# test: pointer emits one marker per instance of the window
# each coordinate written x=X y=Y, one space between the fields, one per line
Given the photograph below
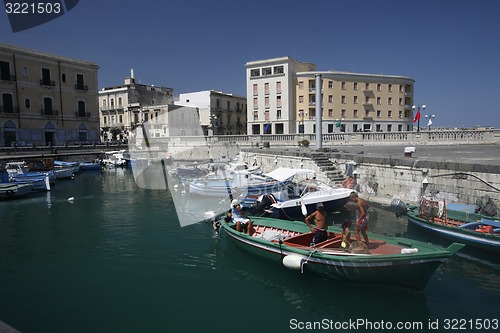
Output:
x=400 y=128
x=255 y=103
x=378 y=128
x=255 y=91
x=330 y=98
x=278 y=70
x=8 y=104
x=355 y=100
x=389 y=87
x=278 y=129
x=266 y=71
x=330 y=84
x=27 y=103
x=278 y=101
x=278 y=114
x=343 y=113
x=379 y=101
x=79 y=82
x=389 y=128
x=256 y=115
x=367 y=113
x=46 y=77
x=229 y=105
x=255 y=129
x=301 y=84
x=330 y=112
x=266 y=102
x=266 y=88
x=400 y=101
x=4 y=71
x=120 y=102
x=254 y=72
x=367 y=86
x=355 y=86
x=81 y=109
x=47 y=106
x=104 y=104
x=301 y=99
x=120 y=118
x=379 y=87
x=25 y=72
x=400 y=114
x=342 y=100
x=401 y=88
x=389 y=100
x=342 y=85
x=389 y=113
x=278 y=87
x=379 y=114
x=355 y=114
x=330 y=128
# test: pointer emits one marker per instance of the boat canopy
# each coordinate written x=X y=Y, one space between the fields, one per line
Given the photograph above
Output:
x=282 y=174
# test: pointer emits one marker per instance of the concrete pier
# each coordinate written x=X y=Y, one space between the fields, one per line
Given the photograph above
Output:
x=458 y=173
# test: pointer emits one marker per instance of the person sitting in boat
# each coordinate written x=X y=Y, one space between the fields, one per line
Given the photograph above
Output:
x=361 y=209
x=346 y=233
x=319 y=231
x=242 y=222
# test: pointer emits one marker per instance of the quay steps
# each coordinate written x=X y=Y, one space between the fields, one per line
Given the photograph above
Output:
x=328 y=168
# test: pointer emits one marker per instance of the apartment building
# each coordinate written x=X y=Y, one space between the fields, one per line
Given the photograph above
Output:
x=126 y=106
x=46 y=98
x=351 y=102
x=220 y=113
x=271 y=95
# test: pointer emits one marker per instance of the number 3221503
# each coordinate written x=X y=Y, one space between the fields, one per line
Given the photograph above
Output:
x=32 y=8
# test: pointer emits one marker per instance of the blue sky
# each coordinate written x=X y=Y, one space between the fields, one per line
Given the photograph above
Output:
x=450 y=47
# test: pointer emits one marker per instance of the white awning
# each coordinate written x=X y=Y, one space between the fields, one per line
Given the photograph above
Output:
x=282 y=174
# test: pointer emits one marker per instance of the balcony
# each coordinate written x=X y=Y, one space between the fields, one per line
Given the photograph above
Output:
x=82 y=114
x=53 y=113
x=81 y=87
x=47 y=83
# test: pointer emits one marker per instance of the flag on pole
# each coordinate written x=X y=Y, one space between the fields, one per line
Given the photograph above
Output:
x=337 y=124
x=417 y=116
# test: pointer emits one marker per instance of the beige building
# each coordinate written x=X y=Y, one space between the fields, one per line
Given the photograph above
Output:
x=220 y=113
x=271 y=95
x=127 y=106
x=46 y=98
x=351 y=102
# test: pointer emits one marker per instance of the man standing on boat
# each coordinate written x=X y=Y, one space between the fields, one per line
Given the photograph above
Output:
x=361 y=217
x=319 y=216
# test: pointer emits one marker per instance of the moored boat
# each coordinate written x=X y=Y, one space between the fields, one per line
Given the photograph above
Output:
x=14 y=190
x=474 y=230
x=389 y=260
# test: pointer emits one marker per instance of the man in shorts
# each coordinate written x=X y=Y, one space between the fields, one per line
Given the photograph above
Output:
x=319 y=216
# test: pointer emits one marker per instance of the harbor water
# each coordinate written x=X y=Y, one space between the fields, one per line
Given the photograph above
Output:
x=116 y=260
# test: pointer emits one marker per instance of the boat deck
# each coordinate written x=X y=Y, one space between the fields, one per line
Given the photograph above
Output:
x=330 y=246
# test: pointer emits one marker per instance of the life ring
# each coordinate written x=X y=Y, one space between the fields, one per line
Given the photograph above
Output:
x=9 y=193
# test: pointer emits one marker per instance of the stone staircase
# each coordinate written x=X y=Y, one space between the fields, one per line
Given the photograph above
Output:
x=326 y=166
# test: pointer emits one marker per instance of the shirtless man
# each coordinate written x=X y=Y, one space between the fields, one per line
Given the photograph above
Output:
x=361 y=217
x=319 y=216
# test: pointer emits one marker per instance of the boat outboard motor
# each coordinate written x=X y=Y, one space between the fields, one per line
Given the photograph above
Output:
x=398 y=207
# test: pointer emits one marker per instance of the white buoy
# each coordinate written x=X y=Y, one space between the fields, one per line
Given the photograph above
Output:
x=294 y=261
x=72 y=199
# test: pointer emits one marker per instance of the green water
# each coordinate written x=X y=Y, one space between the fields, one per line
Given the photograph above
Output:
x=116 y=260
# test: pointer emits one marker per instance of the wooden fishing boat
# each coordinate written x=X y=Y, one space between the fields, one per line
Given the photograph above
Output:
x=388 y=260
x=474 y=230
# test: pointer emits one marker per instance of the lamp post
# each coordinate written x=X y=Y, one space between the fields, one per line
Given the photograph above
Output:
x=430 y=117
x=301 y=122
x=417 y=116
x=213 y=118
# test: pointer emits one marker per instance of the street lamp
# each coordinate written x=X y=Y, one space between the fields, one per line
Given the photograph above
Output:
x=213 y=118
x=430 y=120
x=301 y=123
x=417 y=116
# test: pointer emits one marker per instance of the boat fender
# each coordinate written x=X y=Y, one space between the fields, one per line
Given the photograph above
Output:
x=410 y=250
x=9 y=193
x=294 y=261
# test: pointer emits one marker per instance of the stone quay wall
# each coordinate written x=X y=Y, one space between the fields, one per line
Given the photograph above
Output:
x=382 y=179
